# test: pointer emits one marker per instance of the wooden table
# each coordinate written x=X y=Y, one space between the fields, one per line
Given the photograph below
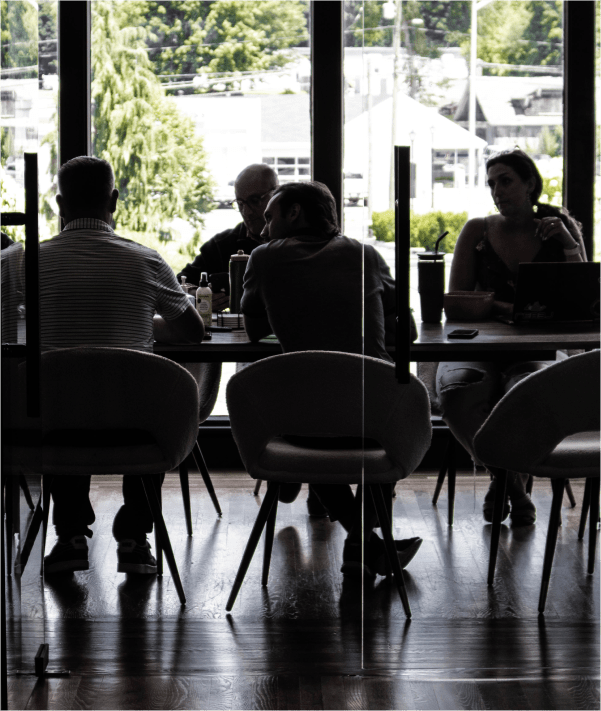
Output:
x=494 y=341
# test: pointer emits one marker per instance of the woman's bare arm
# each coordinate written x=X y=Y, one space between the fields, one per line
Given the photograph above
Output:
x=463 y=271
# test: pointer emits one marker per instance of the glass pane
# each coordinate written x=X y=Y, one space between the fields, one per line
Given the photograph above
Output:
x=409 y=76
x=29 y=126
x=208 y=110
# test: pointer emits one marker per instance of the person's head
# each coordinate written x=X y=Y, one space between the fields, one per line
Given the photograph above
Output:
x=86 y=188
x=296 y=206
x=253 y=187
x=514 y=181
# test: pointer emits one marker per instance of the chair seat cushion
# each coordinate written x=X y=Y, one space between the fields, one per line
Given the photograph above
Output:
x=574 y=457
x=333 y=460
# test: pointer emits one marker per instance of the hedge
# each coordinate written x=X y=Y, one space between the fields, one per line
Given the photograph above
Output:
x=425 y=228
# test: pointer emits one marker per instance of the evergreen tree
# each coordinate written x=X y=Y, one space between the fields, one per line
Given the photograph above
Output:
x=159 y=162
x=19 y=35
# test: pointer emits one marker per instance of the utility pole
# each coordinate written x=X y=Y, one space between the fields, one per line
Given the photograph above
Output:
x=471 y=173
x=396 y=41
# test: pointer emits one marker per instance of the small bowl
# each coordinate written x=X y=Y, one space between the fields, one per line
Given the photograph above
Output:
x=468 y=305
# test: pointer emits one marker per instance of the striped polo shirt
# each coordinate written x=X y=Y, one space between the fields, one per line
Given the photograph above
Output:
x=99 y=289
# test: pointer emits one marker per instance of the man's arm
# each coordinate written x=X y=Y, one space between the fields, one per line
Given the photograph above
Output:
x=185 y=328
x=257 y=327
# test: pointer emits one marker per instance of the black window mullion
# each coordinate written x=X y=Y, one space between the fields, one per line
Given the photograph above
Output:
x=74 y=71
x=579 y=115
x=327 y=94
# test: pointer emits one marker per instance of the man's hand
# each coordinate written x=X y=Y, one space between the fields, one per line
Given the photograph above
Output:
x=220 y=301
x=257 y=327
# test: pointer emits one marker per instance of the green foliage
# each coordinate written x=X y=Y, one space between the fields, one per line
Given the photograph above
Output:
x=12 y=200
x=7 y=144
x=550 y=141
x=200 y=38
x=424 y=229
x=518 y=32
x=48 y=34
x=19 y=35
x=552 y=190
x=160 y=164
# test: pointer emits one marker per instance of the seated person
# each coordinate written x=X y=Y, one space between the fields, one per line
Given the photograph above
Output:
x=115 y=286
x=253 y=187
x=6 y=241
x=486 y=258
x=317 y=290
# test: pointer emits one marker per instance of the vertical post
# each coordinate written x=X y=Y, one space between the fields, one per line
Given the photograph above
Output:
x=579 y=115
x=32 y=286
x=472 y=101
x=327 y=93
x=396 y=41
x=402 y=171
x=74 y=73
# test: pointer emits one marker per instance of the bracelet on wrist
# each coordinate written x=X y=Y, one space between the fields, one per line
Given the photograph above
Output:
x=572 y=250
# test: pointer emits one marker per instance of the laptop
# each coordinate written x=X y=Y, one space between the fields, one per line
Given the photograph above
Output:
x=556 y=292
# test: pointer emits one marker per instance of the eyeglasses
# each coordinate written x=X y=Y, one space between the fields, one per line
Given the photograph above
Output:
x=253 y=202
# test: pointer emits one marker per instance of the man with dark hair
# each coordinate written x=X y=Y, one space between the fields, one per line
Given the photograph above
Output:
x=318 y=290
x=253 y=187
x=99 y=289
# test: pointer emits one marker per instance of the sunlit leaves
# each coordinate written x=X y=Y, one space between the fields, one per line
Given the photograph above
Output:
x=159 y=162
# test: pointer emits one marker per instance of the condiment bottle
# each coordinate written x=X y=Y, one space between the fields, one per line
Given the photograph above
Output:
x=204 y=301
x=238 y=264
x=430 y=283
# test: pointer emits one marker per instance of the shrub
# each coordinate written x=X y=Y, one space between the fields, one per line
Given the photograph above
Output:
x=425 y=228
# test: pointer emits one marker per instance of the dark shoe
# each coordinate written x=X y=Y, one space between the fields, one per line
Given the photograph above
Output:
x=523 y=511
x=288 y=493
x=406 y=550
x=67 y=556
x=135 y=558
x=489 y=503
x=315 y=508
x=375 y=560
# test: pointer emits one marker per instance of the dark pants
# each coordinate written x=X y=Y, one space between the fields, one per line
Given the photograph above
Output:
x=73 y=512
x=358 y=520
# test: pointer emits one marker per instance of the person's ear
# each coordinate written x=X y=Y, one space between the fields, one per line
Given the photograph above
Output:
x=294 y=212
x=113 y=201
x=59 y=202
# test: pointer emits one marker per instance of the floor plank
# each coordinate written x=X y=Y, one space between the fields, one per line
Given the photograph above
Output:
x=300 y=642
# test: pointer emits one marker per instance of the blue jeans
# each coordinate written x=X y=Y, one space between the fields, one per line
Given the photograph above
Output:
x=467 y=392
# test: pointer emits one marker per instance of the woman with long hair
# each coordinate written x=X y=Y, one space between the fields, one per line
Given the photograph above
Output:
x=486 y=258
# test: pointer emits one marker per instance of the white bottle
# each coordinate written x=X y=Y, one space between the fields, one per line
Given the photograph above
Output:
x=204 y=301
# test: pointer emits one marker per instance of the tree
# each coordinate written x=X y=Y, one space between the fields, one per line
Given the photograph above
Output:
x=224 y=36
x=159 y=163
x=19 y=35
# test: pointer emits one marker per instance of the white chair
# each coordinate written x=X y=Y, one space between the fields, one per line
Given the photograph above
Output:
x=339 y=398
x=547 y=426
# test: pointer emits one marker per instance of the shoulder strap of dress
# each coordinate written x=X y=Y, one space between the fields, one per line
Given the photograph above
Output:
x=485 y=230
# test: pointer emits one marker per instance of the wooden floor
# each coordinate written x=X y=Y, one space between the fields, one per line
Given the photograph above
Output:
x=309 y=640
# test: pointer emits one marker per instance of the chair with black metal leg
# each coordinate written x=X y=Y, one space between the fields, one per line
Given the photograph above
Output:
x=106 y=411
x=351 y=423
x=548 y=426
x=426 y=372
x=208 y=377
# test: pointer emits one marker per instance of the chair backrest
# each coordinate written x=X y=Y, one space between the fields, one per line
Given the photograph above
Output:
x=111 y=389
x=328 y=394
x=540 y=412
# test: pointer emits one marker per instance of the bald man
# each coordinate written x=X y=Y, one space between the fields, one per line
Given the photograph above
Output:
x=253 y=187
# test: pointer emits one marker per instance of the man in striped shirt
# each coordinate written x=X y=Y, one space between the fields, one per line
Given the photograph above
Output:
x=99 y=289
